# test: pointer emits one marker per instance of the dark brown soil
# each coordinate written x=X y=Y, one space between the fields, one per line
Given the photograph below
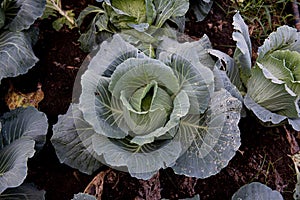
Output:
x=263 y=155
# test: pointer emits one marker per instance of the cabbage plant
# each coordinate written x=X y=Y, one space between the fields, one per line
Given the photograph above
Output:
x=141 y=114
x=16 y=17
x=271 y=86
x=273 y=91
x=140 y=18
x=22 y=132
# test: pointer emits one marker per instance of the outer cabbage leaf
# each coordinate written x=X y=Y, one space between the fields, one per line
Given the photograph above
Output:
x=16 y=54
x=201 y=8
x=24 y=122
x=273 y=96
x=21 y=14
x=22 y=130
x=256 y=191
x=243 y=51
x=24 y=192
x=111 y=54
x=148 y=40
x=231 y=67
x=194 y=52
x=72 y=140
x=215 y=137
x=83 y=196
x=285 y=38
x=13 y=167
x=98 y=29
x=223 y=81
x=166 y=9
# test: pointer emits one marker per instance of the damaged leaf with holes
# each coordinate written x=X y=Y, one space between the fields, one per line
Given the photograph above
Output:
x=141 y=114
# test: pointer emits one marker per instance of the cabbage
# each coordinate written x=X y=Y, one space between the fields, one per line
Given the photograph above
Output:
x=141 y=114
x=273 y=91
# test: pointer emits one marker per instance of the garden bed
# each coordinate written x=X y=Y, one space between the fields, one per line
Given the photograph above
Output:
x=263 y=155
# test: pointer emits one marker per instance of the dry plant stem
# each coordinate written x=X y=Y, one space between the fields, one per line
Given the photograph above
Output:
x=294 y=147
x=95 y=187
x=296 y=15
x=55 y=6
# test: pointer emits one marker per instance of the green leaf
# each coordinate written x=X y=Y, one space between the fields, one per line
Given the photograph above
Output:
x=143 y=122
x=262 y=113
x=21 y=14
x=102 y=110
x=87 y=11
x=72 y=141
x=134 y=8
x=24 y=192
x=209 y=141
x=197 y=81
x=272 y=95
x=231 y=68
x=181 y=107
x=148 y=40
x=194 y=52
x=24 y=122
x=284 y=65
x=256 y=191
x=201 y=8
x=136 y=72
x=284 y=38
x=222 y=81
x=295 y=123
x=111 y=54
x=17 y=56
x=166 y=9
x=13 y=162
x=243 y=52
x=140 y=161
x=96 y=29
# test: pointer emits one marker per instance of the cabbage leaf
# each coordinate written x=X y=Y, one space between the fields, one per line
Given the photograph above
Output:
x=23 y=131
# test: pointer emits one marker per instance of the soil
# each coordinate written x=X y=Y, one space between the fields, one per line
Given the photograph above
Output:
x=263 y=155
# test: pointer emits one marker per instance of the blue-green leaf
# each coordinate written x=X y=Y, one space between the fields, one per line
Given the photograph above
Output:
x=83 y=196
x=16 y=54
x=102 y=110
x=26 y=191
x=201 y=8
x=13 y=162
x=21 y=14
x=284 y=38
x=209 y=141
x=271 y=94
x=243 y=52
x=24 y=122
x=256 y=191
x=72 y=140
x=166 y=9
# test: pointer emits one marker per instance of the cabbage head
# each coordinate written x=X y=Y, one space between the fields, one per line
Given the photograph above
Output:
x=141 y=114
x=273 y=91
